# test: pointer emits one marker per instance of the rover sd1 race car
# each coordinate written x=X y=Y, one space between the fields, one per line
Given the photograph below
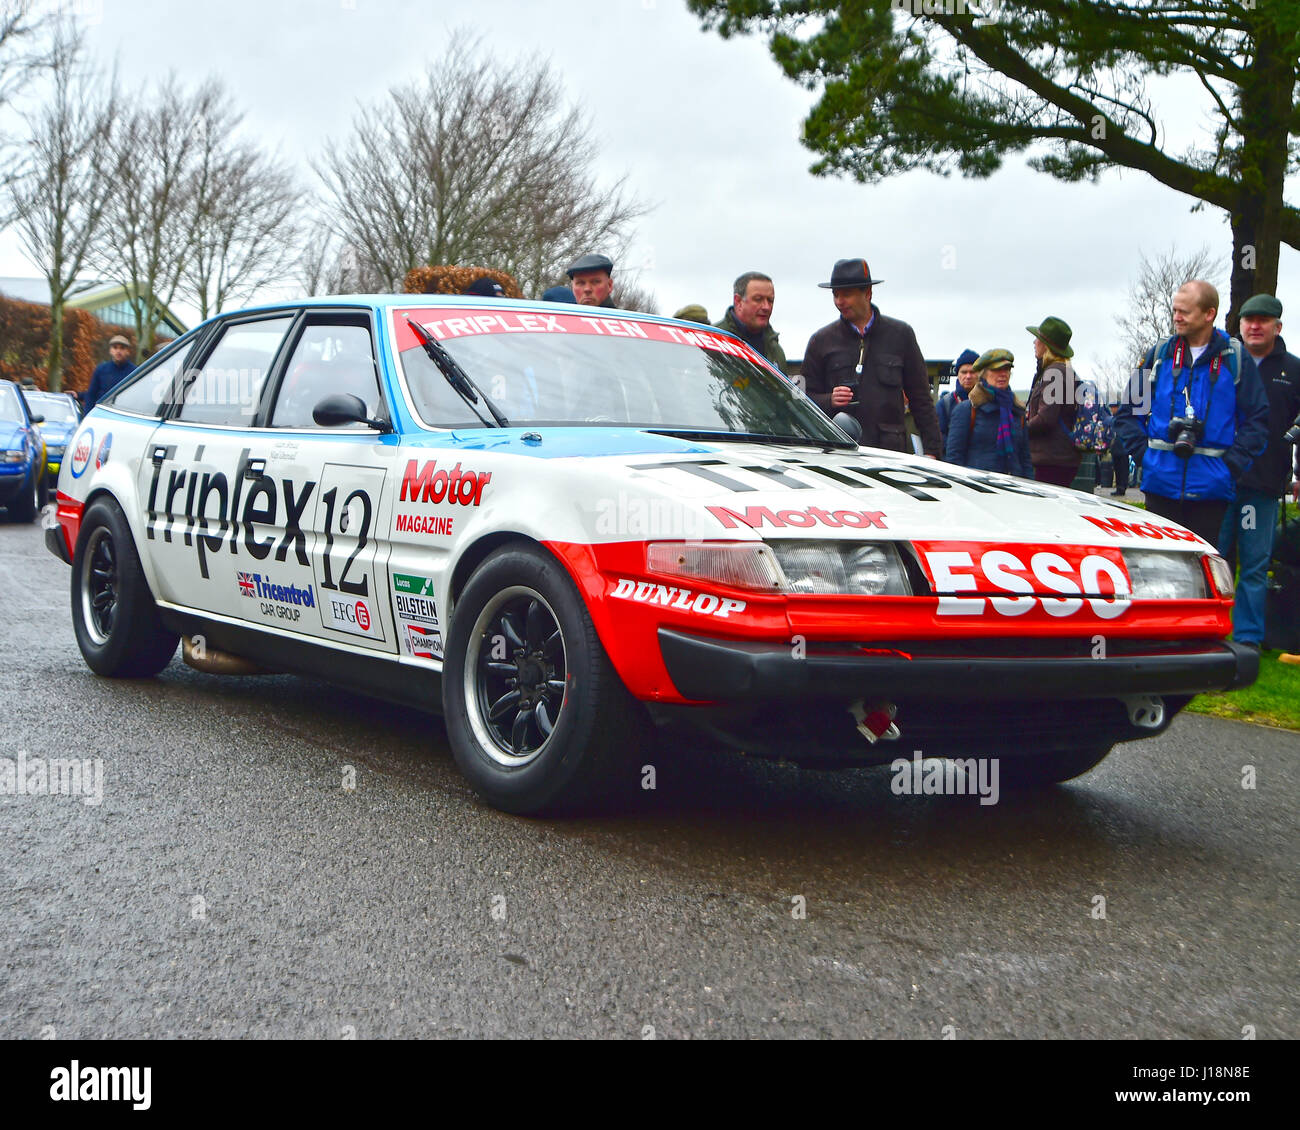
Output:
x=584 y=535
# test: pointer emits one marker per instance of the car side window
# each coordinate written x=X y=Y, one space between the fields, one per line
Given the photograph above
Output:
x=226 y=390
x=329 y=359
x=146 y=388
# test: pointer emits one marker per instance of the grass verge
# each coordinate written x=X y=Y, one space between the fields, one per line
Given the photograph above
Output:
x=1273 y=700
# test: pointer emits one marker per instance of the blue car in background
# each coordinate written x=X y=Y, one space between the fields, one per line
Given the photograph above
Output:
x=62 y=415
x=22 y=456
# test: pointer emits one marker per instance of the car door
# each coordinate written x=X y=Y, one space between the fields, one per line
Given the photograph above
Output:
x=201 y=480
x=344 y=479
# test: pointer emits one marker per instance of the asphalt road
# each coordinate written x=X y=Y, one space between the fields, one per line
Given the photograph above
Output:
x=229 y=885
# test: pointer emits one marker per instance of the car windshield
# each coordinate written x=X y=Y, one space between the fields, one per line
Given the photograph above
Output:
x=591 y=370
x=55 y=409
x=11 y=409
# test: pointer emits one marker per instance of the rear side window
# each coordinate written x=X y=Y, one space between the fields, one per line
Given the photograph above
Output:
x=227 y=388
x=146 y=388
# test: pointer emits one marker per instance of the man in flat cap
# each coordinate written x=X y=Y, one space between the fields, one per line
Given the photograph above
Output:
x=109 y=374
x=864 y=363
x=1247 y=531
x=592 y=279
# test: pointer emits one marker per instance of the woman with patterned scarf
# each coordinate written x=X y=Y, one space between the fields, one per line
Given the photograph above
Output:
x=988 y=433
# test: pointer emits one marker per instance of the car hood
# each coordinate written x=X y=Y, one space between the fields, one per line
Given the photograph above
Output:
x=57 y=433
x=756 y=490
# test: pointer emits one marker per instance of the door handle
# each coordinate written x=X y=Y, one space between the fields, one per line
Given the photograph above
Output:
x=159 y=456
x=255 y=469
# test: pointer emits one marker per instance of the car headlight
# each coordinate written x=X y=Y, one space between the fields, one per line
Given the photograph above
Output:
x=13 y=457
x=54 y=449
x=1165 y=576
x=742 y=565
x=803 y=567
x=845 y=568
x=1221 y=575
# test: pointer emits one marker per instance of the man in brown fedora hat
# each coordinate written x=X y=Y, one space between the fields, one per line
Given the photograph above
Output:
x=864 y=362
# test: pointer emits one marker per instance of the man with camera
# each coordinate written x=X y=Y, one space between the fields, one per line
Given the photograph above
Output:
x=1248 y=526
x=1197 y=407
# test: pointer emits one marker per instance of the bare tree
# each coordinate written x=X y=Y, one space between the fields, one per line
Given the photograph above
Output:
x=478 y=162
x=21 y=24
x=629 y=294
x=245 y=212
x=1147 y=315
x=60 y=192
x=151 y=224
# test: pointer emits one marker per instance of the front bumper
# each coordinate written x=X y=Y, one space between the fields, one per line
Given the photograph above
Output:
x=717 y=670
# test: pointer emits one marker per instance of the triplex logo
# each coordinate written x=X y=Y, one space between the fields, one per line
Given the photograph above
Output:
x=57 y=776
x=102 y=1084
x=922 y=776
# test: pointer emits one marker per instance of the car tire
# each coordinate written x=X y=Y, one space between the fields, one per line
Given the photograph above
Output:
x=1051 y=768
x=114 y=615
x=28 y=504
x=537 y=717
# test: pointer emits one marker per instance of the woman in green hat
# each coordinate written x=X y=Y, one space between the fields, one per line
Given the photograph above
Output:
x=1052 y=405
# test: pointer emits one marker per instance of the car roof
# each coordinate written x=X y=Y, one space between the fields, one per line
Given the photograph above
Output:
x=385 y=302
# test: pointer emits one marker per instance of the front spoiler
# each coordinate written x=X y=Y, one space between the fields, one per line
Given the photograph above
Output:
x=717 y=670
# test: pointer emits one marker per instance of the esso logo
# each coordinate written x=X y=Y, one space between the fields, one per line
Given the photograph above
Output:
x=363 y=616
x=81 y=453
x=1094 y=578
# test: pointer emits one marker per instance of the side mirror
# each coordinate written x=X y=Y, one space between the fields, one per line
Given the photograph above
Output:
x=851 y=426
x=341 y=408
x=38 y=419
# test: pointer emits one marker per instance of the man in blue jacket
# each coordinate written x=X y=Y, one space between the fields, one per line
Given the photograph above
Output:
x=109 y=374
x=1197 y=407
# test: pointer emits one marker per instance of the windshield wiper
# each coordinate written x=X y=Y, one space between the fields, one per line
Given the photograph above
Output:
x=747 y=437
x=456 y=376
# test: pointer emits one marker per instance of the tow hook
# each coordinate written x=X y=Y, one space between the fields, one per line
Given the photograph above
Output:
x=1145 y=711
x=876 y=720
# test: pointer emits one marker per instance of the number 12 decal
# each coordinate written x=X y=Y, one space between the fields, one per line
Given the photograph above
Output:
x=356 y=588
x=344 y=554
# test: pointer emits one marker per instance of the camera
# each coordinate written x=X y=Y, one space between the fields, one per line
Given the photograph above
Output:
x=1292 y=434
x=1185 y=433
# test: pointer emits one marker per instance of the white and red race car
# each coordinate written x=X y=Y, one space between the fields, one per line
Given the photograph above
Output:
x=572 y=529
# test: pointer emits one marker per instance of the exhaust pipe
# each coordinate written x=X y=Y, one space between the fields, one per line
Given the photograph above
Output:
x=196 y=653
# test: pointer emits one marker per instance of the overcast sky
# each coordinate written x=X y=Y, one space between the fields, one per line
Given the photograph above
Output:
x=707 y=130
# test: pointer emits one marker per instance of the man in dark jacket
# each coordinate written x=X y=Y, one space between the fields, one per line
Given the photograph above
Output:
x=1197 y=406
x=749 y=316
x=1248 y=526
x=109 y=374
x=863 y=363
